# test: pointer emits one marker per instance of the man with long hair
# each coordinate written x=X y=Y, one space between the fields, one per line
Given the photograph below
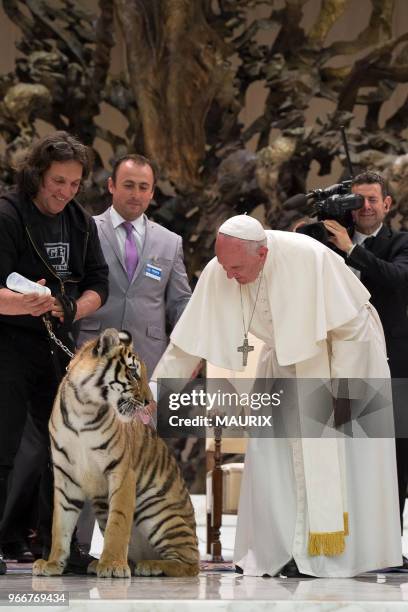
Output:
x=46 y=236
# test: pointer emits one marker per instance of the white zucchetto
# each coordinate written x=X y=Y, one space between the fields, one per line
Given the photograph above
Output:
x=243 y=227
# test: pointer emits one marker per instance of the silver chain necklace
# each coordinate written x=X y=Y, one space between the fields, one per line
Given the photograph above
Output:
x=245 y=347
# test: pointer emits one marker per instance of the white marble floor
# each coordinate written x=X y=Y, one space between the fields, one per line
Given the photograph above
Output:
x=215 y=591
x=224 y=591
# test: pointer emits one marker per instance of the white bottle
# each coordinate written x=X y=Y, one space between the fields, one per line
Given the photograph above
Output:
x=17 y=282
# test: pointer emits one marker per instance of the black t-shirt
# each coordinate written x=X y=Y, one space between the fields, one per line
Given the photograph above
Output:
x=54 y=236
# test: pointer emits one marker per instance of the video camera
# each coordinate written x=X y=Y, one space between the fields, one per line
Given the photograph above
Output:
x=335 y=202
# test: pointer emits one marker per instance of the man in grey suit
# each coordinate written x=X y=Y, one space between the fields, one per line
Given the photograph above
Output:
x=148 y=284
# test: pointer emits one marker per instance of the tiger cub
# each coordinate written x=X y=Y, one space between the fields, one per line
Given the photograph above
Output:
x=101 y=452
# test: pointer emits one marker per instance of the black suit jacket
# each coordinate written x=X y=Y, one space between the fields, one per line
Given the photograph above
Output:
x=383 y=263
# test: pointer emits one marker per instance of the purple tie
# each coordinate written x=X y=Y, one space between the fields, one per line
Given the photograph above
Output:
x=131 y=256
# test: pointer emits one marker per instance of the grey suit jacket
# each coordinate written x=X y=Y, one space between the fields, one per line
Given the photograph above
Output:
x=144 y=305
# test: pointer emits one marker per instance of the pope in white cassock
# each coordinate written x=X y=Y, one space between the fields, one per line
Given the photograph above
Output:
x=330 y=504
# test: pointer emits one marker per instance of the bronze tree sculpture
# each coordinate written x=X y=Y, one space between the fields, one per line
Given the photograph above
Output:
x=189 y=67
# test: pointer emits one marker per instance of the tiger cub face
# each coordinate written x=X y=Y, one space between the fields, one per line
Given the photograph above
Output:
x=119 y=376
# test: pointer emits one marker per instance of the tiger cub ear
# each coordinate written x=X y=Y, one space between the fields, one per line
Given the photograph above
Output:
x=125 y=337
x=106 y=341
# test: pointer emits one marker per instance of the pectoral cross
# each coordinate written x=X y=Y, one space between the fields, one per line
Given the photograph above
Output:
x=245 y=348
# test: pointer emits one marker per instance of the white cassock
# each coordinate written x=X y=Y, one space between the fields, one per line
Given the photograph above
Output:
x=315 y=321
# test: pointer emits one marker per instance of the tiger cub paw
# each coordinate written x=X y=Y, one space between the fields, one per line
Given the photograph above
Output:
x=48 y=568
x=149 y=568
x=112 y=569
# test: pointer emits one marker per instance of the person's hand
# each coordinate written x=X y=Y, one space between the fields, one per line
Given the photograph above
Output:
x=57 y=310
x=148 y=415
x=299 y=223
x=35 y=304
x=151 y=408
x=340 y=237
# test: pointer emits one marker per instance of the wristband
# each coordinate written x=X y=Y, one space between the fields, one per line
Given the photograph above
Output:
x=69 y=306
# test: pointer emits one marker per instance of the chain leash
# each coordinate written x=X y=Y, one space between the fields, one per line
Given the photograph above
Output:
x=55 y=339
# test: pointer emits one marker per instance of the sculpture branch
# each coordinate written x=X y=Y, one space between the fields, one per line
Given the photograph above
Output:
x=378 y=30
x=365 y=70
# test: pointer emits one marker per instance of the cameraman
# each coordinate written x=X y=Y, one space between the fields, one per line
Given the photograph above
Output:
x=379 y=257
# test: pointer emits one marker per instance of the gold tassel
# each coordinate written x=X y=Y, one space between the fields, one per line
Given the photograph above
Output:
x=346 y=523
x=328 y=544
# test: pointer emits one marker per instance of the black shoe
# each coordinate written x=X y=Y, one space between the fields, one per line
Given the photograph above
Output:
x=239 y=570
x=400 y=569
x=3 y=566
x=18 y=551
x=34 y=543
x=78 y=560
x=291 y=570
